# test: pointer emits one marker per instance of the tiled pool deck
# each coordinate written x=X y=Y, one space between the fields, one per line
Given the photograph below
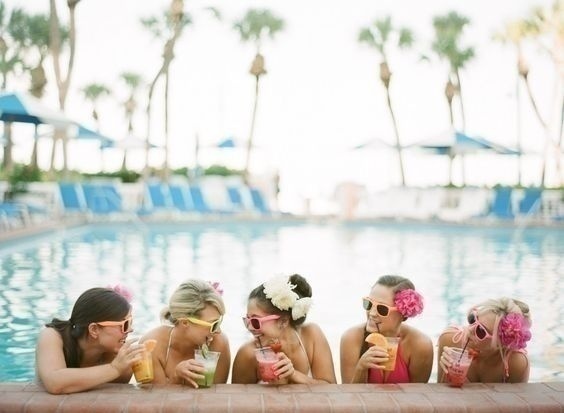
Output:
x=514 y=398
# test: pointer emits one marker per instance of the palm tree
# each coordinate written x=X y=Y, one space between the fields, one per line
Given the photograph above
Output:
x=93 y=92
x=379 y=35
x=36 y=37
x=448 y=31
x=10 y=63
x=546 y=25
x=254 y=27
x=514 y=33
x=169 y=28
x=63 y=82
x=133 y=82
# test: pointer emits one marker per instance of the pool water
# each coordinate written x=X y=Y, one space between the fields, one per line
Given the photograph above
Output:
x=453 y=267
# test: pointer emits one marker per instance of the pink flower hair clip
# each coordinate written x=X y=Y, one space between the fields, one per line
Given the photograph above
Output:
x=514 y=331
x=216 y=287
x=123 y=291
x=408 y=302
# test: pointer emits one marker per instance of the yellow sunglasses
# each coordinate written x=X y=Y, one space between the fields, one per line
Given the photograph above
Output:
x=214 y=325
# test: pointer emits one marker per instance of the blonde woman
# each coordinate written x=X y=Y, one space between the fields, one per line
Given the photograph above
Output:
x=392 y=300
x=496 y=336
x=276 y=314
x=191 y=320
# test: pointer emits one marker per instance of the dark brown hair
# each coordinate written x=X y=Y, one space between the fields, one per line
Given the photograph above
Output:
x=303 y=289
x=93 y=305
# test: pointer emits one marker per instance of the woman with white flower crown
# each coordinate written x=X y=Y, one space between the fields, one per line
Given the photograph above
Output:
x=276 y=312
x=392 y=300
x=496 y=336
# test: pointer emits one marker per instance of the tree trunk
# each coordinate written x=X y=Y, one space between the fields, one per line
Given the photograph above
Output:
x=460 y=100
x=396 y=132
x=252 y=131
x=8 y=162
x=166 y=172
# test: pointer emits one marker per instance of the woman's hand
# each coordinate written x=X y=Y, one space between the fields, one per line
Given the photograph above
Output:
x=284 y=367
x=446 y=359
x=190 y=371
x=372 y=358
x=128 y=354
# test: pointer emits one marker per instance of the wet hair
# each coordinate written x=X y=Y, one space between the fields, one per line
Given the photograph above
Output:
x=501 y=307
x=303 y=289
x=93 y=306
x=396 y=282
x=190 y=298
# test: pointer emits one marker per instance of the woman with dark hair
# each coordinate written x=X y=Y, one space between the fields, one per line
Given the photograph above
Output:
x=276 y=314
x=392 y=300
x=90 y=347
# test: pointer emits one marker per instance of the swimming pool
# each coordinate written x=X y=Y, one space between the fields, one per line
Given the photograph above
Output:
x=452 y=266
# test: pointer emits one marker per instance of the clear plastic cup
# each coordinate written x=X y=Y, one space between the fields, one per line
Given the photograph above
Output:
x=456 y=374
x=143 y=369
x=209 y=360
x=392 y=349
x=266 y=359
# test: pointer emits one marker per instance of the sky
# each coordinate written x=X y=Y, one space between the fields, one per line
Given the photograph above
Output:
x=321 y=96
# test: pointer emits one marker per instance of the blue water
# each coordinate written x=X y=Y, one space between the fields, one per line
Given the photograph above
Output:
x=453 y=267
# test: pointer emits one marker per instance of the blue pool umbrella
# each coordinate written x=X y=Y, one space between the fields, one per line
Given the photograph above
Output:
x=453 y=143
x=19 y=107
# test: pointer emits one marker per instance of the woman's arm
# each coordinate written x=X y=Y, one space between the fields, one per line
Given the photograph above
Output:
x=351 y=343
x=445 y=340
x=220 y=343
x=421 y=358
x=245 y=366
x=321 y=362
x=518 y=367
x=57 y=378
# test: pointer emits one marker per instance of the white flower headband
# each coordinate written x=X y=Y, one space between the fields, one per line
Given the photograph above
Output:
x=279 y=291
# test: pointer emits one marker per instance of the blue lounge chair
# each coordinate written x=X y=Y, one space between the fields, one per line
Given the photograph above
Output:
x=502 y=205
x=72 y=197
x=531 y=202
x=181 y=198
x=102 y=199
x=159 y=195
x=259 y=202
x=236 y=198
x=200 y=204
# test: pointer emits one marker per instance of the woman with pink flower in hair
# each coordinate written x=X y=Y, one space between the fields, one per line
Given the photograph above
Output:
x=89 y=348
x=496 y=336
x=392 y=300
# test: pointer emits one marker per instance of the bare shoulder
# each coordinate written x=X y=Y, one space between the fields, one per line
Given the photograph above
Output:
x=49 y=335
x=354 y=333
x=220 y=342
x=518 y=367
x=161 y=334
x=415 y=337
x=311 y=330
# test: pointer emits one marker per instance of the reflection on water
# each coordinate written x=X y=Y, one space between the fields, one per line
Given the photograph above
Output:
x=453 y=267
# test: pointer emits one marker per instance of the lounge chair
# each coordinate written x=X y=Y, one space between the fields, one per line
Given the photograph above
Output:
x=502 y=205
x=13 y=215
x=102 y=199
x=181 y=197
x=72 y=197
x=159 y=196
x=200 y=204
x=531 y=202
x=259 y=202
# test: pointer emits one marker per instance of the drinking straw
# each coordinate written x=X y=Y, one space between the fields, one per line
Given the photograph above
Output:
x=463 y=348
x=260 y=344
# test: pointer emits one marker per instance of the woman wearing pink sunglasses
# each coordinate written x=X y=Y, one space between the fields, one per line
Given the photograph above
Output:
x=276 y=314
x=496 y=336
x=90 y=347
x=392 y=300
